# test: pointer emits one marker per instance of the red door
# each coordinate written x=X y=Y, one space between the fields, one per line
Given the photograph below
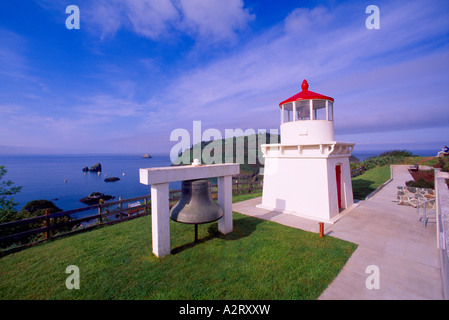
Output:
x=338 y=175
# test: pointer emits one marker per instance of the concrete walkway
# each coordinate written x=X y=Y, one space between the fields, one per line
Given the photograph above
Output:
x=388 y=236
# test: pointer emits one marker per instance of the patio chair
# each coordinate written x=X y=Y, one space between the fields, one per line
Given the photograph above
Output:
x=423 y=213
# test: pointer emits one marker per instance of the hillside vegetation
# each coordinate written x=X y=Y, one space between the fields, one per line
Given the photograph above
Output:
x=244 y=150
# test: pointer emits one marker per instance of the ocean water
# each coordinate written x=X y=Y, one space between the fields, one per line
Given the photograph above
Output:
x=60 y=179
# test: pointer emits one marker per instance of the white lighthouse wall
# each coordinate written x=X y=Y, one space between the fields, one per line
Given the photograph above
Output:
x=297 y=186
x=346 y=184
x=306 y=186
x=307 y=131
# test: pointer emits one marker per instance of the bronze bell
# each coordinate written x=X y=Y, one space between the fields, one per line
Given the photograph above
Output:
x=196 y=205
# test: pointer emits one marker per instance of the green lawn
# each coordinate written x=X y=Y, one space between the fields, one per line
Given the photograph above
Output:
x=369 y=181
x=429 y=161
x=243 y=197
x=258 y=260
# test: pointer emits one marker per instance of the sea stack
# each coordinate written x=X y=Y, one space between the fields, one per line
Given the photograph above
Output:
x=111 y=179
x=96 y=167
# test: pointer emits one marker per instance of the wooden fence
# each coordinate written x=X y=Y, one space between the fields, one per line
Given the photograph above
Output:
x=105 y=214
x=358 y=171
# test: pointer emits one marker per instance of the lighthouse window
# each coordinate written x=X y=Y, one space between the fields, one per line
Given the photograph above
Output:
x=288 y=112
x=303 y=110
x=330 y=111
x=319 y=110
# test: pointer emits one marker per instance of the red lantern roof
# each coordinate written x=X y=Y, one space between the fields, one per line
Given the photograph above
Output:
x=305 y=94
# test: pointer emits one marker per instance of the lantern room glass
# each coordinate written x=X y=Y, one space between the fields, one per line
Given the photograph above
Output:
x=287 y=110
x=319 y=109
x=303 y=110
x=330 y=110
x=307 y=110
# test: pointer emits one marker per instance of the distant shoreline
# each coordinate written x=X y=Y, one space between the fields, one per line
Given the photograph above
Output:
x=362 y=153
x=52 y=176
x=83 y=154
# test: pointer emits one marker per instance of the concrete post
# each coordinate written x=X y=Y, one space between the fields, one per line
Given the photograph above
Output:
x=225 y=202
x=160 y=219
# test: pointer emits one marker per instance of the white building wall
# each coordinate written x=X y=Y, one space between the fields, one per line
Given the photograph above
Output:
x=306 y=132
x=297 y=186
x=306 y=186
x=346 y=184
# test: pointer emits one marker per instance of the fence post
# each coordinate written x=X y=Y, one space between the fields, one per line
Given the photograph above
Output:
x=120 y=207
x=99 y=210
x=145 y=202
x=47 y=225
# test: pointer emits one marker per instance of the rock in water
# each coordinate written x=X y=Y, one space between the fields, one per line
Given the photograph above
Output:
x=147 y=155
x=96 y=168
x=85 y=169
x=95 y=197
x=111 y=179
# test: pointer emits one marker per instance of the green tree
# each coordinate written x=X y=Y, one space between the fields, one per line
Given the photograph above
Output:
x=7 y=211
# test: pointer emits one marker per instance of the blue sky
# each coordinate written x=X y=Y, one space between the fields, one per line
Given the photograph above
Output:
x=138 y=69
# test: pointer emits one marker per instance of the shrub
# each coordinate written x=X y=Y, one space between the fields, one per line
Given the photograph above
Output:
x=420 y=183
x=373 y=162
x=384 y=159
x=38 y=207
x=353 y=159
x=445 y=166
x=34 y=208
x=397 y=153
x=7 y=204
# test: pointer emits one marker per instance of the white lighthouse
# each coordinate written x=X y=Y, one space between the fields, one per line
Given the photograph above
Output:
x=308 y=173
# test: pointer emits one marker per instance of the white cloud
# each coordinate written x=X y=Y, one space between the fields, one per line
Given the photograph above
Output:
x=302 y=20
x=213 y=20
x=108 y=106
x=349 y=61
x=13 y=55
x=376 y=76
x=151 y=18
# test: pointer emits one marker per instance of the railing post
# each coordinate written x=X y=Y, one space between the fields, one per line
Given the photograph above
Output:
x=47 y=225
x=99 y=210
x=145 y=202
x=120 y=207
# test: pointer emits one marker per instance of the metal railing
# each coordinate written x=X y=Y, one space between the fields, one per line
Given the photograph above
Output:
x=442 y=228
x=21 y=234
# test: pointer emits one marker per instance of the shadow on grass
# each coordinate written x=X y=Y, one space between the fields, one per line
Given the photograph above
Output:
x=242 y=227
x=361 y=188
